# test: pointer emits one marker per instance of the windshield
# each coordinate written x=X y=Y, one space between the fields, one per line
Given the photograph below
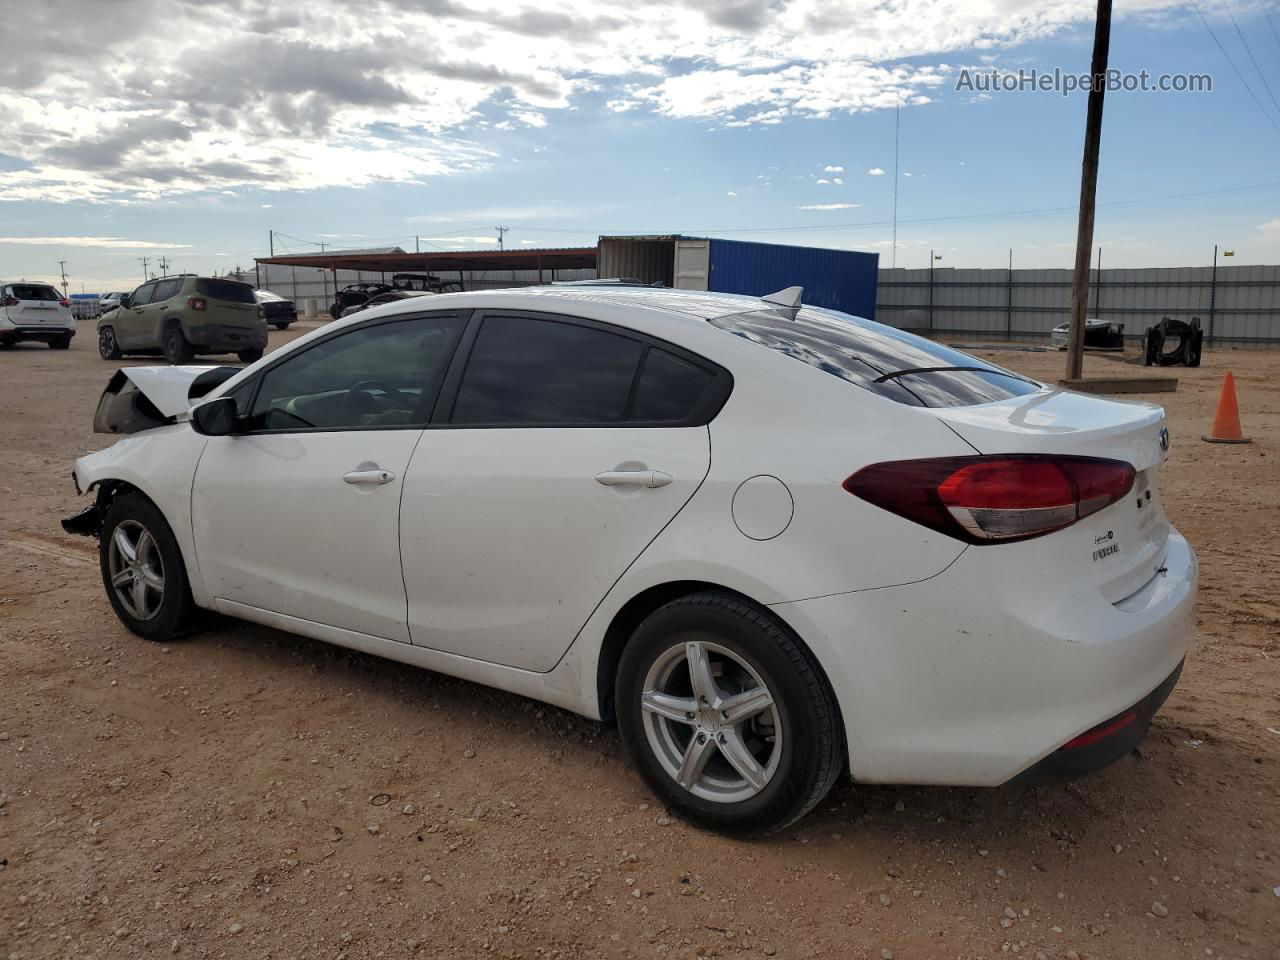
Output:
x=878 y=358
x=226 y=290
x=266 y=296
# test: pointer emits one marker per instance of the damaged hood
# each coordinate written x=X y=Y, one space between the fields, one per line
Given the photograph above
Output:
x=142 y=398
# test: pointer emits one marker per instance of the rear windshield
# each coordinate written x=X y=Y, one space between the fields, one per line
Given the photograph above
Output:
x=35 y=291
x=867 y=354
x=226 y=290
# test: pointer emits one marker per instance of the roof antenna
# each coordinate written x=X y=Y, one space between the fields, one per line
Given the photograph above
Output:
x=789 y=298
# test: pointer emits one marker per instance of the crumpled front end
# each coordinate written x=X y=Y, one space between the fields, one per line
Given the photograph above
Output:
x=143 y=398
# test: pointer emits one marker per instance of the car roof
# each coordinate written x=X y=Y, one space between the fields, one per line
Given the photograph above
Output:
x=700 y=304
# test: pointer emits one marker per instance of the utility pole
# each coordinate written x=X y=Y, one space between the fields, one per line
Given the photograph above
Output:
x=502 y=233
x=62 y=265
x=271 y=242
x=1088 y=190
x=164 y=266
x=1097 y=286
x=897 y=123
x=417 y=246
x=145 y=275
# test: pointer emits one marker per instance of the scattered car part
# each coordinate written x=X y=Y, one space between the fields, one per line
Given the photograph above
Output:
x=1187 y=351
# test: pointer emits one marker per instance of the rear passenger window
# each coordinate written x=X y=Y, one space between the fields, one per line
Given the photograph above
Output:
x=669 y=387
x=523 y=370
x=166 y=289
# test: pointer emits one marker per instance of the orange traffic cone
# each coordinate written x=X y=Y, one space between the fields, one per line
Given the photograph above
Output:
x=1226 y=422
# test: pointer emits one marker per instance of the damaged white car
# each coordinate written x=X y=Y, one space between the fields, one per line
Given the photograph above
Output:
x=776 y=542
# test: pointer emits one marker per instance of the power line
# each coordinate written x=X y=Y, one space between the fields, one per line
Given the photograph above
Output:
x=1236 y=70
x=1266 y=86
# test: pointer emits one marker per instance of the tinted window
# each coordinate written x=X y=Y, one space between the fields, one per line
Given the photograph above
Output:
x=166 y=289
x=142 y=295
x=861 y=351
x=35 y=291
x=226 y=290
x=669 y=387
x=539 y=371
x=380 y=376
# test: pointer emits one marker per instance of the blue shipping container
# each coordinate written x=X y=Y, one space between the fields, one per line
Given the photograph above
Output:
x=838 y=279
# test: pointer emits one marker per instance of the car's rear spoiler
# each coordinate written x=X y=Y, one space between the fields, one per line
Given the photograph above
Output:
x=143 y=398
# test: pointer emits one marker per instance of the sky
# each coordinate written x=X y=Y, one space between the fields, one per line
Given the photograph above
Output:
x=192 y=130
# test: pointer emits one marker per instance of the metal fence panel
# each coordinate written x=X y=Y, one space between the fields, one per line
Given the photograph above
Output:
x=1237 y=305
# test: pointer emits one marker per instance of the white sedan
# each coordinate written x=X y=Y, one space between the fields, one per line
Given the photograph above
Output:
x=776 y=542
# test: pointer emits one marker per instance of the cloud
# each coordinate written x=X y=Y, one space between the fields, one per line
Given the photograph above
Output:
x=836 y=180
x=114 y=243
x=1271 y=226
x=732 y=194
x=833 y=168
x=235 y=94
x=461 y=241
x=876 y=172
x=821 y=180
x=828 y=206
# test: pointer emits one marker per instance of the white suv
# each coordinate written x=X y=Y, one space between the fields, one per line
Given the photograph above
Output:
x=35 y=311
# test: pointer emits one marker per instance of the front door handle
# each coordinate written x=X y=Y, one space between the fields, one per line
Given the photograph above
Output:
x=636 y=478
x=376 y=477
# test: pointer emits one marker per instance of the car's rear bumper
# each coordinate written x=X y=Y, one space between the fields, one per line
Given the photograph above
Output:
x=965 y=680
x=40 y=334
x=228 y=339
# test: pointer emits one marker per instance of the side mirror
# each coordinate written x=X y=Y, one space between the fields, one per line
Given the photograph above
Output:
x=126 y=300
x=216 y=418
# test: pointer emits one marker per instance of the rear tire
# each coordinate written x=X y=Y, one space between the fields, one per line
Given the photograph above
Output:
x=108 y=347
x=281 y=326
x=752 y=747
x=142 y=569
x=177 y=350
x=250 y=356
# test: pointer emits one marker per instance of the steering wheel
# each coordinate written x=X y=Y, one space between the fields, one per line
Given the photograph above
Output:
x=365 y=387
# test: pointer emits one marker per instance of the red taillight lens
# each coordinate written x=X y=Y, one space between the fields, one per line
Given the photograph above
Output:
x=1101 y=731
x=994 y=499
x=197 y=303
x=64 y=302
x=10 y=301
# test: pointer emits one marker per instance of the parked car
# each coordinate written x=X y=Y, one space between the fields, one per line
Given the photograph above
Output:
x=181 y=317
x=900 y=561
x=1097 y=333
x=353 y=295
x=35 y=311
x=391 y=296
x=276 y=310
x=110 y=301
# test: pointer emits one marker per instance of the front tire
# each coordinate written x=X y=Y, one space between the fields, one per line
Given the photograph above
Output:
x=250 y=356
x=177 y=350
x=142 y=569
x=108 y=346
x=727 y=716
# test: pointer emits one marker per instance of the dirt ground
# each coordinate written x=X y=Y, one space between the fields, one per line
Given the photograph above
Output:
x=247 y=793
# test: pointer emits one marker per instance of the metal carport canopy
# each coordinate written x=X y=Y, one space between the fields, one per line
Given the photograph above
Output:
x=564 y=258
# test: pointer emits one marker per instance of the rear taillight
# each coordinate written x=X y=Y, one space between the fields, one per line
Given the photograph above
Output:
x=64 y=302
x=197 y=303
x=9 y=301
x=994 y=499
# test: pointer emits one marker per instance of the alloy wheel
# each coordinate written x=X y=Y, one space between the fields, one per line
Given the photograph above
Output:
x=711 y=722
x=135 y=569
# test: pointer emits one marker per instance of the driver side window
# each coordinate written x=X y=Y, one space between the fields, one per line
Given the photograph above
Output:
x=386 y=375
x=142 y=296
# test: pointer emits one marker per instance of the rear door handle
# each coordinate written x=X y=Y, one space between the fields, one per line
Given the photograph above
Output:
x=376 y=477
x=637 y=478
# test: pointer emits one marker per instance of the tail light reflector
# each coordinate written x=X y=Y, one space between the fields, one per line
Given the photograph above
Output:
x=994 y=499
x=64 y=302
x=197 y=303
x=9 y=302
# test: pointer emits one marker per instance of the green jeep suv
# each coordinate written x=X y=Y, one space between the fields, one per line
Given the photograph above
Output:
x=180 y=317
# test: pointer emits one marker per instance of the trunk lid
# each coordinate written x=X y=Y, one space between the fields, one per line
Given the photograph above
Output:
x=1119 y=548
x=229 y=302
x=38 y=305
